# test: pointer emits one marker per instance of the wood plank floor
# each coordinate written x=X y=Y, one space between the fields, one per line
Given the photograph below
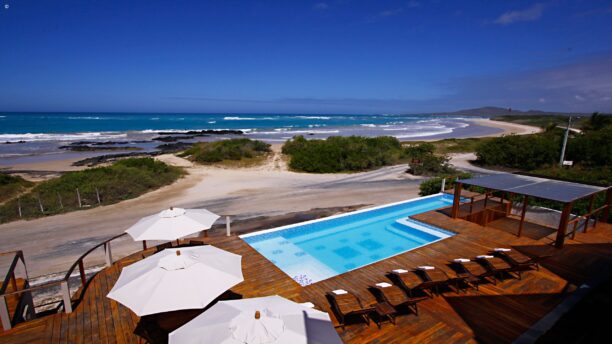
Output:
x=494 y=314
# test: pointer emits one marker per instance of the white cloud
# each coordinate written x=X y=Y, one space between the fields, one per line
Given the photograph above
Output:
x=529 y=14
x=579 y=97
x=321 y=6
x=605 y=99
x=542 y=100
x=389 y=13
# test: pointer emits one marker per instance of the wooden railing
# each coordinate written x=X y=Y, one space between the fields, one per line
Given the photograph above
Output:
x=11 y=279
x=65 y=286
x=592 y=215
x=64 y=283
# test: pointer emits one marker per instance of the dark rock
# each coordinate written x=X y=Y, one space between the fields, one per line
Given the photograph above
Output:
x=85 y=148
x=174 y=147
x=113 y=157
x=13 y=142
x=173 y=138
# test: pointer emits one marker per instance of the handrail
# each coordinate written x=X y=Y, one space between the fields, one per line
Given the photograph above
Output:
x=10 y=274
x=79 y=261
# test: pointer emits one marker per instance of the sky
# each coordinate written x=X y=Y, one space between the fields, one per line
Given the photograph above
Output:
x=335 y=56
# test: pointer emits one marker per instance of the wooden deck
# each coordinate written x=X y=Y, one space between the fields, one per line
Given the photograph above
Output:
x=494 y=314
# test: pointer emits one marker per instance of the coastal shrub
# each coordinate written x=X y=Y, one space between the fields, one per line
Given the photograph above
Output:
x=424 y=161
x=525 y=152
x=342 y=154
x=123 y=180
x=233 y=149
x=434 y=185
x=10 y=186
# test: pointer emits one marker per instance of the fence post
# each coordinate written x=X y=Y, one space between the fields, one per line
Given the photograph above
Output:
x=98 y=196
x=66 y=297
x=78 y=197
x=42 y=210
x=108 y=255
x=227 y=225
x=59 y=198
x=19 y=207
x=4 y=314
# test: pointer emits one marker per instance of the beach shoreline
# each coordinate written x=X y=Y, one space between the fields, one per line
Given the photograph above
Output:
x=54 y=166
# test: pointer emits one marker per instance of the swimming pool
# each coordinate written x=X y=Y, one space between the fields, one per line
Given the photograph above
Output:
x=316 y=250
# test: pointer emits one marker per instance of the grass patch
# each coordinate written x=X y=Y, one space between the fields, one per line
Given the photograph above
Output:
x=449 y=146
x=123 y=180
x=11 y=186
x=543 y=121
x=233 y=152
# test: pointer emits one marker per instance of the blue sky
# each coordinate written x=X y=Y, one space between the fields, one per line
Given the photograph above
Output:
x=305 y=56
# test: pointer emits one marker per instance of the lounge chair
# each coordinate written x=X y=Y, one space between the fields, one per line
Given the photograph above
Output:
x=346 y=304
x=396 y=297
x=518 y=260
x=472 y=272
x=495 y=264
x=408 y=280
x=435 y=277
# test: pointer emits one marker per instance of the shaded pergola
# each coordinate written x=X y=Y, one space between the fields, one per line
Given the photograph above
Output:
x=512 y=185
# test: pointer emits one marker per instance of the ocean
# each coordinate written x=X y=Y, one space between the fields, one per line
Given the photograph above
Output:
x=32 y=134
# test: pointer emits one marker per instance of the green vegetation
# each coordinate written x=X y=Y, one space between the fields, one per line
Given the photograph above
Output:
x=543 y=121
x=123 y=180
x=434 y=185
x=227 y=150
x=448 y=146
x=590 y=150
x=11 y=186
x=356 y=153
x=525 y=152
x=342 y=154
x=424 y=161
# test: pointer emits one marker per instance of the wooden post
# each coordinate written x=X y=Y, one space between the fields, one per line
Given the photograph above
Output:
x=98 y=196
x=19 y=207
x=82 y=273
x=509 y=206
x=42 y=210
x=59 y=198
x=520 y=230
x=144 y=245
x=588 y=217
x=4 y=314
x=227 y=225
x=66 y=297
x=565 y=214
x=78 y=197
x=606 y=212
x=108 y=255
x=456 y=200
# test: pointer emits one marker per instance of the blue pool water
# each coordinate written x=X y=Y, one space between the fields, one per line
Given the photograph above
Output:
x=316 y=250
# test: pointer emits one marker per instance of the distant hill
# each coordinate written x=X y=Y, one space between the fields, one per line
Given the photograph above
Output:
x=497 y=111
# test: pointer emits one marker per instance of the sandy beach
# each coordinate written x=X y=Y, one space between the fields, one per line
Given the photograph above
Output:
x=52 y=244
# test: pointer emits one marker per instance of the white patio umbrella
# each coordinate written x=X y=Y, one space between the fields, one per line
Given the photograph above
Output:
x=172 y=224
x=175 y=279
x=270 y=319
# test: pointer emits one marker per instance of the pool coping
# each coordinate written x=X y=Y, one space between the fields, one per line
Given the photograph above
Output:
x=272 y=230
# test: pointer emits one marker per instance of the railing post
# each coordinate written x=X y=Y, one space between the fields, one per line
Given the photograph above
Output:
x=227 y=225
x=144 y=245
x=4 y=314
x=66 y=297
x=443 y=185
x=82 y=273
x=108 y=254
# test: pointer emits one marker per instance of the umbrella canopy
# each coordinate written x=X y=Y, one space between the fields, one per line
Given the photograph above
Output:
x=270 y=319
x=176 y=279
x=172 y=224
